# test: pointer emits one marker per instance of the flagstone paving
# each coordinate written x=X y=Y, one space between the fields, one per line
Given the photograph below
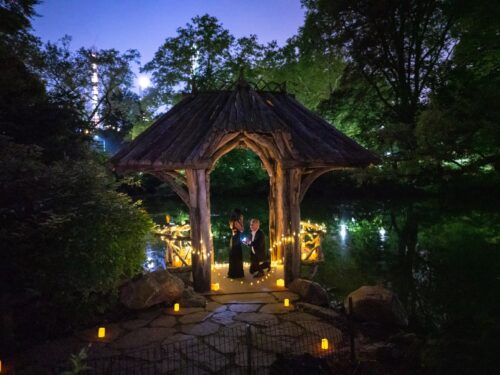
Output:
x=210 y=338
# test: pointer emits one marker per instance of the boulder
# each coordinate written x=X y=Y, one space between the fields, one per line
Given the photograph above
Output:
x=183 y=273
x=322 y=312
x=378 y=305
x=309 y=291
x=192 y=299
x=151 y=289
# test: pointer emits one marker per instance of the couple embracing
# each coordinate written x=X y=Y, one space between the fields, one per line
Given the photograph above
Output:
x=256 y=243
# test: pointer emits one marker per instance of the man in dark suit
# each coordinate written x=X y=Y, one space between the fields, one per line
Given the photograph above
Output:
x=257 y=243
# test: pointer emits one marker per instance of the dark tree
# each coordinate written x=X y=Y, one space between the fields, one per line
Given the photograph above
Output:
x=395 y=46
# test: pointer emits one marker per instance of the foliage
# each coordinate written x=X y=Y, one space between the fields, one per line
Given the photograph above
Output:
x=393 y=51
x=239 y=171
x=461 y=289
x=68 y=77
x=459 y=131
x=78 y=363
x=68 y=238
x=201 y=50
x=310 y=74
x=66 y=229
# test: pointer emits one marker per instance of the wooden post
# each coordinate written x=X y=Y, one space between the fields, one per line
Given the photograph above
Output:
x=291 y=223
x=199 y=215
x=279 y=210
x=295 y=176
x=272 y=218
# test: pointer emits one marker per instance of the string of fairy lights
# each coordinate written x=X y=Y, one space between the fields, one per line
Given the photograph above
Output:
x=179 y=247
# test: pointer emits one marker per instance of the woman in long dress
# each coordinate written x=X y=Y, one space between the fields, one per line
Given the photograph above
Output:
x=236 y=252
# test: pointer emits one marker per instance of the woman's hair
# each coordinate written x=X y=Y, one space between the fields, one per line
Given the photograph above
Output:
x=235 y=215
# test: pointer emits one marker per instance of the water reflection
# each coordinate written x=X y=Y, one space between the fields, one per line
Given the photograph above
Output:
x=155 y=255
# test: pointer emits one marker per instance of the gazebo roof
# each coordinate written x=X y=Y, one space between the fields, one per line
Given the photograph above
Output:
x=193 y=132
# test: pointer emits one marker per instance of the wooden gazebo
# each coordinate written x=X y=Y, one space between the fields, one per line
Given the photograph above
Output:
x=295 y=146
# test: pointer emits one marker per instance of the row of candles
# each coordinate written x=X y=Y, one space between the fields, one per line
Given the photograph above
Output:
x=101 y=331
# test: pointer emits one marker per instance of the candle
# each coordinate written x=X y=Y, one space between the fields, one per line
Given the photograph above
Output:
x=215 y=287
x=324 y=344
x=286 y=302
x=177 y=307
x=280 y=282
x=101 y=332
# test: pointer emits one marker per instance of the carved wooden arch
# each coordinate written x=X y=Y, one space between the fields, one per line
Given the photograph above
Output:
x=266 y=154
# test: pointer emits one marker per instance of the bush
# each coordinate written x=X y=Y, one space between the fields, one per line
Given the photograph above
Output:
x=462 y=293
x=69 y=237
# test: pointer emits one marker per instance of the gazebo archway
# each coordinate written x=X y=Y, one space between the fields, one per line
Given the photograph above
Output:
x=294 y=145
x=287 y=187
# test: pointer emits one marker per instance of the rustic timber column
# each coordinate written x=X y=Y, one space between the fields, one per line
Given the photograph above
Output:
x=199 y=215
x=291 y=223
x=279 y=211
x=294 y=186
x=272 y=219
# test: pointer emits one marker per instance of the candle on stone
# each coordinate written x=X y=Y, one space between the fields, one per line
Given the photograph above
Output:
x=215 y=287
x=177 y=307
x=280 y=282
x=101 y=332
x=286 y=302
x=324 y=344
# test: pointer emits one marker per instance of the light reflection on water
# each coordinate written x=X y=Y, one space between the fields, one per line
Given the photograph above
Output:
x=155 y=251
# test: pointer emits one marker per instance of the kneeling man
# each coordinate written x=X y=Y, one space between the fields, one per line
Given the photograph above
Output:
x=258 y=261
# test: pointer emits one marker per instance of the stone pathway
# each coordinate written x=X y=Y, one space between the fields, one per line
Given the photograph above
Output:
x=212 y=339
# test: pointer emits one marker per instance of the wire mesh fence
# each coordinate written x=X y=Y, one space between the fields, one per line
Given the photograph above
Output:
x=261 y=348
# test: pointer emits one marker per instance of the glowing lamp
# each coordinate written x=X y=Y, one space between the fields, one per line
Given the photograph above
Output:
x=101 y=332
x=167 y=219
x=177 y=262
x=215 y=287
x=324 y=344
x=280 y=282
x=286 y=302
x=177 y=307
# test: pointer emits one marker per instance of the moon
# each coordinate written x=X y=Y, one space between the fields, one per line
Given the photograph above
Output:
x=144 y=82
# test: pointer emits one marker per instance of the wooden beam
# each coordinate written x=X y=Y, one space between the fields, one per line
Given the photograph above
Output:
x=175 y=185
x=261 y=154
x=224 y=149
x=310 y=178
x=181 y=178
x=267 y=143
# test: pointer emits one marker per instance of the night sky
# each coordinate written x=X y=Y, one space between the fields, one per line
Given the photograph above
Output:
x=143 y=25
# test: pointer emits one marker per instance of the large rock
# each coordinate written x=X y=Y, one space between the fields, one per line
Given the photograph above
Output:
x=192 y=299
x=151 y=289
x=183 y=273
x=309 y=291
x=377 y=304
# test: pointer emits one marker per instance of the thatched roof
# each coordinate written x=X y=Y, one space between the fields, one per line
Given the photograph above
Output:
x=205 y=125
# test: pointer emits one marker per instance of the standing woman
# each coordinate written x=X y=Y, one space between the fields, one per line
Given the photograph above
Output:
x=236 y=252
